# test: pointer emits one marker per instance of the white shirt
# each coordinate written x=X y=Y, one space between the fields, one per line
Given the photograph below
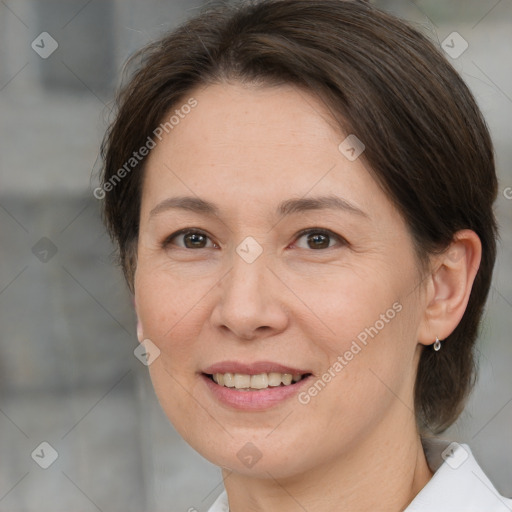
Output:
x=458 y=483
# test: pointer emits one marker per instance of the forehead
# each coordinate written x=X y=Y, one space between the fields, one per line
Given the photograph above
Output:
x=249 y=143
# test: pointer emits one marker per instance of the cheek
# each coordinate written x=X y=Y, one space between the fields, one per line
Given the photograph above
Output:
x=171 y=315
x=366 y=329
x=363 y=385
x=348 y=305
x=170 y=307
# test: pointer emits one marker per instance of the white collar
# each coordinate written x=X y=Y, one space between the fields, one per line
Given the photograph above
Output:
x=458 y=484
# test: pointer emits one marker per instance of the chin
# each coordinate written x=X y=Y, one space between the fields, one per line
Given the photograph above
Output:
x=256 y=454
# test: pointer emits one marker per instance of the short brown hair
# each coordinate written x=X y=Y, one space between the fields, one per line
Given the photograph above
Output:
x=426 y=142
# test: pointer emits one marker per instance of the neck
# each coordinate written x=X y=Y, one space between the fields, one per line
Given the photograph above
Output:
x=385 y=472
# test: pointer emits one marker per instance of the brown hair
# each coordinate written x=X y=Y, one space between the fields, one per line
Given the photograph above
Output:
x=426 y=142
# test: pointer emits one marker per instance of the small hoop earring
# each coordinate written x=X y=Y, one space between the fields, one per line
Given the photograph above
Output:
x=437 y=344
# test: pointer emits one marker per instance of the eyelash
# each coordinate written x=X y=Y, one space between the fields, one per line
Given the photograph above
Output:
x=318 y=231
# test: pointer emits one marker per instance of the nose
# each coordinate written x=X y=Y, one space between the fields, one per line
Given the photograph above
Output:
x=249 y=305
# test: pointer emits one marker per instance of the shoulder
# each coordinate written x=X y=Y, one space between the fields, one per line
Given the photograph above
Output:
x=458 y=484
x=221 y=504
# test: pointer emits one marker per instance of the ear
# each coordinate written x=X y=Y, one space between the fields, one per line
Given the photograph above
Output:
x=140 y=333
x=449 y=286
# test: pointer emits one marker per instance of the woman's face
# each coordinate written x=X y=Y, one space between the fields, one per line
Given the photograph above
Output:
x=228 y=283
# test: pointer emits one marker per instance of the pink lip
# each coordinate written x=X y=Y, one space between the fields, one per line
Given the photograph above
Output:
x=252 y=368
x=256 y=399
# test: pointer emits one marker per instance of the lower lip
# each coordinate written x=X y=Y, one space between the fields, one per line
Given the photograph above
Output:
x=253 y=400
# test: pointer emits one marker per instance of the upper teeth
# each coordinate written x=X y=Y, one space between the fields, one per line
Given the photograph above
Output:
x=260 y=381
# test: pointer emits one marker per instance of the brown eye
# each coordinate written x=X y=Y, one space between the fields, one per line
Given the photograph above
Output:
x=318 y=239
x=195 y=241
x=189 y=240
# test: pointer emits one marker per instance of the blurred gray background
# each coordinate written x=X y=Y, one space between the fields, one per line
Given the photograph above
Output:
x=68 y=375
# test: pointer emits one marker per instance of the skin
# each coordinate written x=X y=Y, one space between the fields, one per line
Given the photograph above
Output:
x=246 y=149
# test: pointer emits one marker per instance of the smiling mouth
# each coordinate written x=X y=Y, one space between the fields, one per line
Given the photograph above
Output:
x=245 y=382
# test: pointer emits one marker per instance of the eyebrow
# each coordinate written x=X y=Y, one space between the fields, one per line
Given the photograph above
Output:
x=193 y=204
x=330 y=202
x=288 y=207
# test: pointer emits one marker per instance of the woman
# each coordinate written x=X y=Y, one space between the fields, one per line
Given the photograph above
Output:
x=301 y=192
